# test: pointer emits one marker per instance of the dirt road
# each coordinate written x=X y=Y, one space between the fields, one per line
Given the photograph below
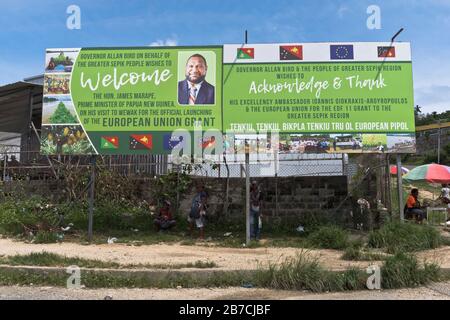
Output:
x=225 y=258
x=438 y=291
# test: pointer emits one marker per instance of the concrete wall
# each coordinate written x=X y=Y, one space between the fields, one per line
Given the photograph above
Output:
x=296 y=195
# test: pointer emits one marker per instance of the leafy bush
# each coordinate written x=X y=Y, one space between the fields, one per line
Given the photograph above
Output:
x=29 y=215
x=329 y=237
x=402 y=270
x=46 y=237
x=36 y=214
x=405 y=237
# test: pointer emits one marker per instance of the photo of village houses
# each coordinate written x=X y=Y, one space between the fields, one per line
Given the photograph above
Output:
x=56 y=84
x=401 y=143
x=320 y=143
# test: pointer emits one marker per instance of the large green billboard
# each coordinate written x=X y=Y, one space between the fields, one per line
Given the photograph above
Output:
x=352 y=97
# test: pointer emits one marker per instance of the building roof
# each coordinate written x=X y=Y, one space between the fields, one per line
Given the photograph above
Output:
x=15 y=101
x=433 y=126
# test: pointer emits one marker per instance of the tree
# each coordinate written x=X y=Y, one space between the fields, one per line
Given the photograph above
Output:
x=62 y=115
x=417 y=111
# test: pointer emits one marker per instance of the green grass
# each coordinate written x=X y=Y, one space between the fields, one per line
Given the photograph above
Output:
x=329 y=237
x=405 y=237
x=54 y=260
x=302 y=272
x=357 y=254
x=402 y=270
x=92 y=279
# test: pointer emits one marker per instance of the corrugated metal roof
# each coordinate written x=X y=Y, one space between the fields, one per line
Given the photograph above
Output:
x=433 y=126
x=15 y=105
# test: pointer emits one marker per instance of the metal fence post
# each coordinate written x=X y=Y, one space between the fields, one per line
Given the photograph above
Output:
x=5 y=159
x=91 y=198
x=247 y=192
x=400 y=187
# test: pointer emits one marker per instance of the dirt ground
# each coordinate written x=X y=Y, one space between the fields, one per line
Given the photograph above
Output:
x=225 y=258
x=438 y=291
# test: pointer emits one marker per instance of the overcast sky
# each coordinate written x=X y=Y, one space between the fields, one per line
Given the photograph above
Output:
x=28 y=27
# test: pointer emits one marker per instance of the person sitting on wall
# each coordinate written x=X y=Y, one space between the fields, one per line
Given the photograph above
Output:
x=413 y=207
x=164 y=220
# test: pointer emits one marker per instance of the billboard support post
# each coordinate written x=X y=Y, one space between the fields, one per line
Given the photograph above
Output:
x=91 y=198
x=247 y=181
x=400 y=187
x=247 y=193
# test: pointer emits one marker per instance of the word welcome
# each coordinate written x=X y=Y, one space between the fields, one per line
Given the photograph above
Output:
x=119 y=81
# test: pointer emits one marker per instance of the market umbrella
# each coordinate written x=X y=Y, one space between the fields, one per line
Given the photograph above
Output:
x=431 y=173
x=393 y=170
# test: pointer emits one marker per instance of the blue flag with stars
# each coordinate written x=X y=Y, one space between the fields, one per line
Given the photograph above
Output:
x=342 y=51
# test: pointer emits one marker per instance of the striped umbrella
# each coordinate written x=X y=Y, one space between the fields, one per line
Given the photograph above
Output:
x=431 y=173
x=393 y=170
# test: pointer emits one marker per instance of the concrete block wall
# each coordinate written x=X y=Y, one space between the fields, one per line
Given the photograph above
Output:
x=296 y=195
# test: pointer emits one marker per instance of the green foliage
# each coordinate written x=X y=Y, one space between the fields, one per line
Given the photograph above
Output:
x=406 y=237
x=109 y=215
x=39 y=214
x=48 y=259
x=430 y=118
x=329 y=237
x=30 y=215
x=62 y=115
x=46 y=237
x=166 y=187
x=402 y=270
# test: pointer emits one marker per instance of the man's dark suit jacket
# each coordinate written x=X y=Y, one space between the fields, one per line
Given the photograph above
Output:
x=204 y=96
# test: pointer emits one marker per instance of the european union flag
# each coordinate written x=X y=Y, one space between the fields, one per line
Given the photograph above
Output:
x=171 y=142
x=341 y=51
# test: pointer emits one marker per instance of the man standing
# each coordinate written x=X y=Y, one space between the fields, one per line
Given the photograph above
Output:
x=197 y=214
x=255 y=211
x=194 y=89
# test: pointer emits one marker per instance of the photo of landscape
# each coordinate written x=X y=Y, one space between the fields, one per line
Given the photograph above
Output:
x=58 y=109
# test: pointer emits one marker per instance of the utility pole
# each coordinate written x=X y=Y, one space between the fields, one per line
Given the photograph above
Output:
x=439 y=143
x=399 y=162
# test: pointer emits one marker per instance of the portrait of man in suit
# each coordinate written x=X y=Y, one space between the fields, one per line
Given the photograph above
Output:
x=194 y=89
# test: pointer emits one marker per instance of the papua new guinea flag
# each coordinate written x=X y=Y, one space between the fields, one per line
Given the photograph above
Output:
x=386 y=52
x=291 y=53
x=141 y=141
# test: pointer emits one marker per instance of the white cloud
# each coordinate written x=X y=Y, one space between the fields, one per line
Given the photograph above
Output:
x=433 y=98
x=169 y=42
x=342 y=10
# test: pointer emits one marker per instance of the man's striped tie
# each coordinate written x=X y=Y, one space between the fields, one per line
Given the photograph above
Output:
x=192 y=95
